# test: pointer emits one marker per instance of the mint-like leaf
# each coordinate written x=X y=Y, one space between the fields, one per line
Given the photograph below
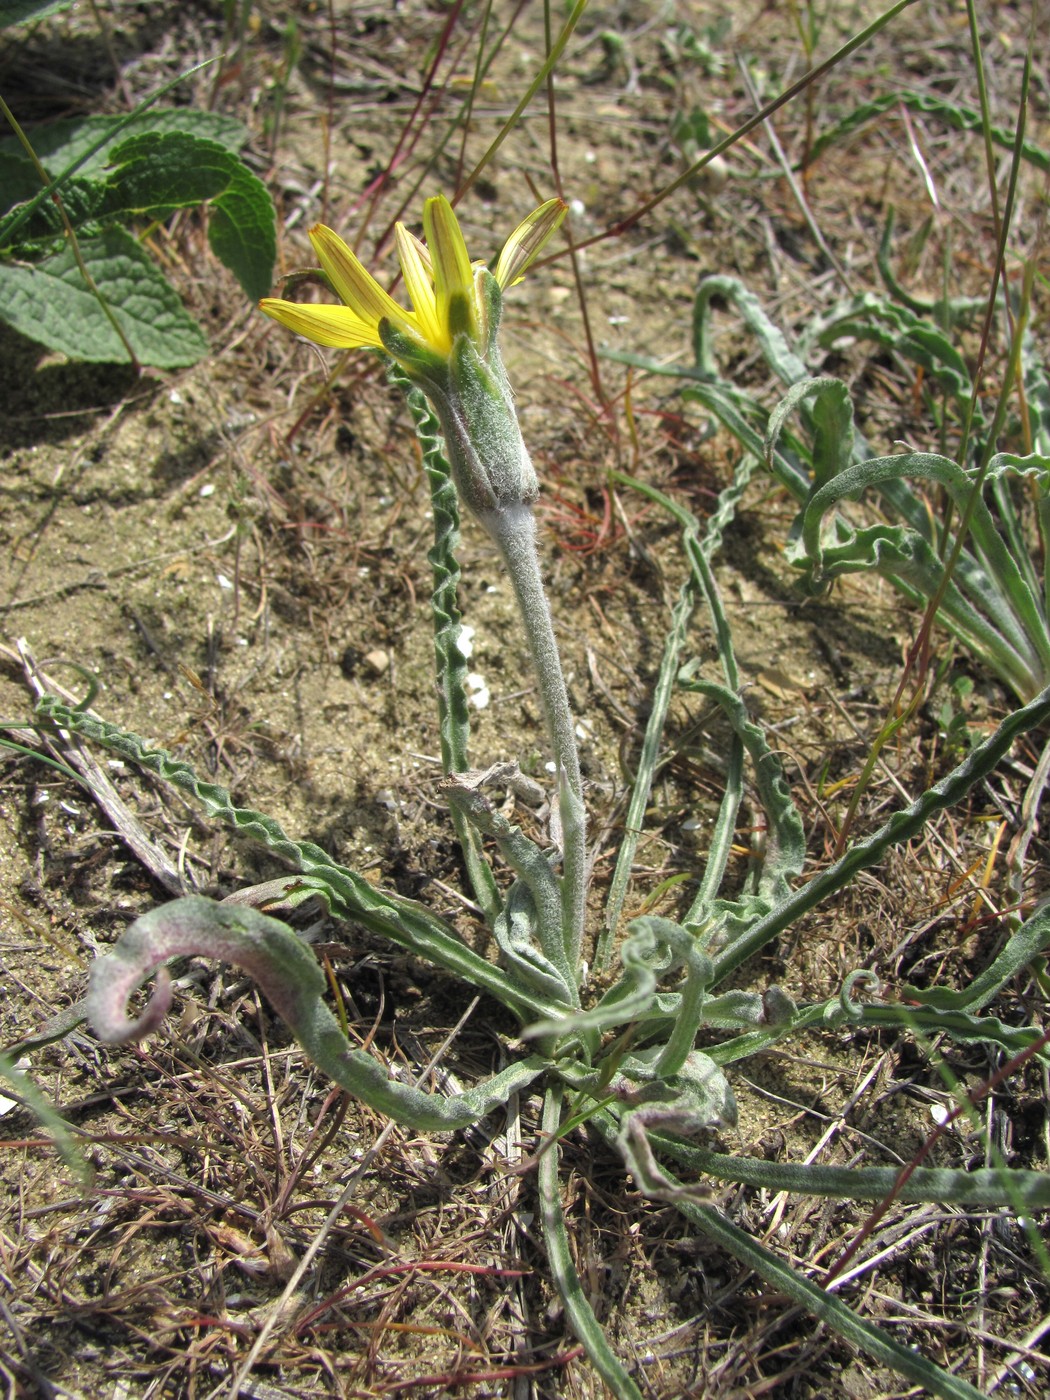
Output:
x=51 y=303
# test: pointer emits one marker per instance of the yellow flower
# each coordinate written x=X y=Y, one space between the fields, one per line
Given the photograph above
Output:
x=448 y=293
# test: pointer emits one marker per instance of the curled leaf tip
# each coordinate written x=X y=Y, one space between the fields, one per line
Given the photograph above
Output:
x=112 y=983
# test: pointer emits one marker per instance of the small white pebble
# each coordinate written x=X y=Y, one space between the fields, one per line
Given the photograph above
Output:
x=480 y=695
x=6 y=1104
x=208 y=489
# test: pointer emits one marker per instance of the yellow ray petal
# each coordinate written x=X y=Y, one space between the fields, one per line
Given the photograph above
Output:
x=423 y=251
x=448 y=251
x=357 y=287
x=336 y=326
x=526 y=241
x=419 y=283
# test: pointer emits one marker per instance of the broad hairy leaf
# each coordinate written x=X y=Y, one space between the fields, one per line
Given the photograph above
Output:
x=149 y=175
x=60 y=144
x=157 y=172
x=19 y=11
x=50 y=303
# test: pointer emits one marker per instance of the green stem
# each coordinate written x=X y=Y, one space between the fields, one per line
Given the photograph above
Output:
x=453 y=712
x=514 y=531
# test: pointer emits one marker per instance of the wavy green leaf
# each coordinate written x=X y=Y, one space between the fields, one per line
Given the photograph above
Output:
x=951 y=113
x=294 y=985
x=346 y=894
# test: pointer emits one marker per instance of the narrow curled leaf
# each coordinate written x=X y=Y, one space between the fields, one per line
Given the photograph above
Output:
x=528 y=930
x=294 y=985
x=931 y=104
x=346 y=894
x=696 y=1100
x=832 y=423
x=1025 y=944
x=60 y=1132
x=786 y=839
x=987 y=601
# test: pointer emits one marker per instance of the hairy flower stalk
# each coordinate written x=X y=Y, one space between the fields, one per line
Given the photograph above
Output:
x=514 y=530
x=447 y=345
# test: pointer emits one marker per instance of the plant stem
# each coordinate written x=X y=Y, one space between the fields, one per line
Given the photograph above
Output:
x=514 y=531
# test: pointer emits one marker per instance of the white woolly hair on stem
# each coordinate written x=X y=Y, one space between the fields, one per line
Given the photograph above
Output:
x=513 y=528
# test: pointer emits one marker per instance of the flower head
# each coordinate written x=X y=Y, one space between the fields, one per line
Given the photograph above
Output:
x=446 y=344
x=449 y=294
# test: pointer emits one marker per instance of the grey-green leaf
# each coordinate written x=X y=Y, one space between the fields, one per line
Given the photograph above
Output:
x=294 y=984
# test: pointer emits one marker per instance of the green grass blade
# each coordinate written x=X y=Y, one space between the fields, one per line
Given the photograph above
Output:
x=50 y=1119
